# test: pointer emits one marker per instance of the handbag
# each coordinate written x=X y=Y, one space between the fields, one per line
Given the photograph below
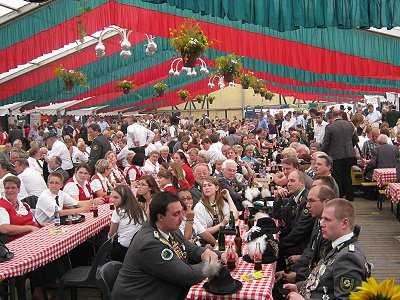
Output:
x=5 y=254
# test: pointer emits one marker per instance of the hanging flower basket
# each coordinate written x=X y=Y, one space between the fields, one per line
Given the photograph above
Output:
x=211 y=99
x=229 y=66
x=190 y=41
x=199 y=98
x=68 y=86
x=71 y=77
x=160 y=88
x=184 y=94
x=189 y=60
x=263 y=91
x=125 y=85
x=257 y=85
x=269 y=95
x=228 y=77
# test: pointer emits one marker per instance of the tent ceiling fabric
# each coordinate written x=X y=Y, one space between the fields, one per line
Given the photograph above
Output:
x=283 y=15
x=321 y=64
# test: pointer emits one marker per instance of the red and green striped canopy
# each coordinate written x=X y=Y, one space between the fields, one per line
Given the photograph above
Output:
x=319 y=64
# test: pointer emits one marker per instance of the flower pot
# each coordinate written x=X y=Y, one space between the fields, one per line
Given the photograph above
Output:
x=211 y=101
x=68 y=86
x=262 y=94
x=160 y=93
x=228 y=77
x=245 y=86
x=256 y=91
x=126 y=91
x=183 y=97
x=189 y=60
x=198 y=101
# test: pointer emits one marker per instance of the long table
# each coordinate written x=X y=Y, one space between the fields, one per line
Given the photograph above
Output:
x=40 y=247
x=251 y=290
x=384 y=175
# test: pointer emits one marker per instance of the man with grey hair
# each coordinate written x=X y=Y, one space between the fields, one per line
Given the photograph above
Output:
x=200 y=171
x=383 y=156
x=55 y=166
x=323 y=166
x=227 y=180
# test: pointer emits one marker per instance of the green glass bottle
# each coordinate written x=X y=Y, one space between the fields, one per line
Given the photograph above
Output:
x=231 y=220
x=221 y=238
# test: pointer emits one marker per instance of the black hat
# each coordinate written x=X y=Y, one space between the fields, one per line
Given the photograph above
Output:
x=268 y=246
x=222 y=284
x=264 y=225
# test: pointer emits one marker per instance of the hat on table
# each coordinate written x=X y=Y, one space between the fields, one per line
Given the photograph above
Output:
x=222 y=283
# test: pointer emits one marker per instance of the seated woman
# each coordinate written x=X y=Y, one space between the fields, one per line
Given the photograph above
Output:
x=134 y=169
x=126 y=220
x=54 y=196
x=117 y=175
x=249 y=158
x=214 y=207
x=180 y=158
x=165 y=182
x=78 y=187
x=151 y=165
x=190 y=227
x=177 y=172
x=218 y=165
x=100 y=183
x=16 y=218
x=146 y=188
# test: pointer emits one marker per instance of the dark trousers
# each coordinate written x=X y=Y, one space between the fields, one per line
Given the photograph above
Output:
x=137 y=149
x=118 y=252
x=341 y=173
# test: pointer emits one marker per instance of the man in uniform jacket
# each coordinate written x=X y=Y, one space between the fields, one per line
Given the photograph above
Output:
x=297 y=223
x=160 y=262
x=339 y=141
x=344 y=267
x=100 y=145
x=300 y=267
x=227 y=180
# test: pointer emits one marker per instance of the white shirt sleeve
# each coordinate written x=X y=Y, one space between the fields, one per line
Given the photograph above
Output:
x=115 y=217
x=4 y=216
x=203 y=217
x=95 y=185
x=67 y=200
x=71 y=189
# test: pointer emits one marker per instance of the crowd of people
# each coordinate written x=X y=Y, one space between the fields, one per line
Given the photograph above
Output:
x=167 y=174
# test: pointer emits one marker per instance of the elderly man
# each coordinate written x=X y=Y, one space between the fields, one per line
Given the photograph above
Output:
x=160 y=262
x=100 y=145
x=200 y=171
x=121 y=156
x=296 y=221
x=81 y=156
x=59 y=149
x=301 y=265
x=55 y=165
x=6 y=154
x=323 y=166
x=384 y=156
x=371 y=143
x=227 y=180
x=344 y=267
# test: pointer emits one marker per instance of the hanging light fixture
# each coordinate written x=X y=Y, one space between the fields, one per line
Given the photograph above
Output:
x=221 y=82
x=191 y=72
x=125 y=44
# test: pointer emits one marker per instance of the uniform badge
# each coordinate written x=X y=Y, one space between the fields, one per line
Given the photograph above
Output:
x=166 y=254
x=305 y=212
x=351 y=248
x=95 y=147
x=156 y=235
x=346 y=284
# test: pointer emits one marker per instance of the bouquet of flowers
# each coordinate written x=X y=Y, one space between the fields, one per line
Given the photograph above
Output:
x=71 y=77
x=125 y=85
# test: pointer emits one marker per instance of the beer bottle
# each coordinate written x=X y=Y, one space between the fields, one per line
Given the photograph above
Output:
x=238 y=242
x=231 y=220
x=246 y=215
x=257 y=258
x=221 y=238
x=57 y=220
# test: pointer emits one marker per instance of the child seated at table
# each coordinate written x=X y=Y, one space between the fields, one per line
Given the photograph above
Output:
x=53 y=196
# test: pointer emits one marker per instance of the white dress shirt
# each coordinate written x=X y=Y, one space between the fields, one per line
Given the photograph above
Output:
x=138 y=136
x=60 y=149
x=33 y=181
x=319 y=132
x=36 y=164
x=121 y=156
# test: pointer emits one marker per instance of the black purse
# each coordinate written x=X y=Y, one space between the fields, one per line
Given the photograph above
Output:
x=5 y=254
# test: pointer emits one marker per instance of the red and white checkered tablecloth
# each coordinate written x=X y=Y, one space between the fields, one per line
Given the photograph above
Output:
x=251 y=290
x=393 y=192
x=384 y=175
x=38 y=248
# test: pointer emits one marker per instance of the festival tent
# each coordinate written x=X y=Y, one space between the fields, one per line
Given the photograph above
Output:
x=311 y=50
x=12 y=108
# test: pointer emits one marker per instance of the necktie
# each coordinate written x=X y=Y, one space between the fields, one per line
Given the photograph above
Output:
x=38 y=162
x=58 y=204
